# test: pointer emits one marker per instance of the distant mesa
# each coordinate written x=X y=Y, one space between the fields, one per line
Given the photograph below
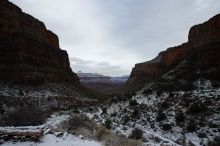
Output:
x=99 y=78
x=100 y=82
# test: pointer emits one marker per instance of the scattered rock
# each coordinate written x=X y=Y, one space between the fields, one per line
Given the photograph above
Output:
x=58 y=134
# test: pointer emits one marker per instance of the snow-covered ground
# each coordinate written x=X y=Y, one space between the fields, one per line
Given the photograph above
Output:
x=52 y=140
x=49 y=138
x=125 y=117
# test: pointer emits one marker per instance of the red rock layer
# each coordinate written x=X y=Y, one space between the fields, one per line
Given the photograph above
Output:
x=202 y=52
x=29 y=53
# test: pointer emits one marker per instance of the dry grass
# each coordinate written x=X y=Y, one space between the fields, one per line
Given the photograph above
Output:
x=23 y=116
x=80 y=125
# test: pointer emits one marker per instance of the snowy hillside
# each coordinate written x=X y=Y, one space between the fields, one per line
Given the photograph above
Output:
x=179 y=118
x=50 y=131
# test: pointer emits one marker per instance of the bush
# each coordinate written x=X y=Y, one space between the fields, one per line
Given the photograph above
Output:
x=108 y=124
x=136 y=134
x=104 y=111
x=196 y=108
x=161 y=116
x=202 y=135
x=147 y=92
x=2 y=110
x=136 y=113
x=191 y=126
x=133 y=93
x=171 y=94
x=133 y=102
x=166 y=127
x=78 y=121
x=114 y=100
x=180 y=118
x=165 y=105
x=128 y=95
x=159 y=92
x=126 y=119
x=24 y=116
x=216 y=142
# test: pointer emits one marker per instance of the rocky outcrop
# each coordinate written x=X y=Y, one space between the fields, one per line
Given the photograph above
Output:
x=29 y=53
x=201 y=57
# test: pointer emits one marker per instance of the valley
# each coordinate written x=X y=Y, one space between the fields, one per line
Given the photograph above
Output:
x=171 y=100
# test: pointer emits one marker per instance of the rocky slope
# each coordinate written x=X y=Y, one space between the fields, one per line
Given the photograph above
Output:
x=29 y=53
x=190 y=118
x=199 y=57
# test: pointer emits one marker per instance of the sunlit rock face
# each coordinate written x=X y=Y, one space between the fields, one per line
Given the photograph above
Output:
x=29 y=53
x=199 y=57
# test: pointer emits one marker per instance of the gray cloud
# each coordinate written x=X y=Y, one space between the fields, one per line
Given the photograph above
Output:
x=119 y=33
x=106 y=68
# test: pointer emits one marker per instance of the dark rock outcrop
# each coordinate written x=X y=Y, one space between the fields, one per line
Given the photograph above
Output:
x=29 y=53
x=199 y=57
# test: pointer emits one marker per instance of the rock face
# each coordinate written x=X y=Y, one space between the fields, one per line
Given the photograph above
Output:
x=90 y=78
x=29 y=53
x=199 y=57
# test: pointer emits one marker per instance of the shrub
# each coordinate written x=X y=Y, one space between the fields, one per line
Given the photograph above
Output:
x=166 y=127
x=108 y=124
x=24 y=116
x=104 y=111
x=191 y=126
x=196 y=108
x=2 y=110
x=165 y=105
x=133 y=102
x=136 y=113
x=126 y=119
x=171 y=94
x=202 y=135
x=78 y=121
x=159 y=92
x=161 y=116
x=215 y=142
x=147 y=91
x=180 y=118
x=136 y=134
x=100 y=132
x=133 y=93
x=114 y=100
x=128 y=95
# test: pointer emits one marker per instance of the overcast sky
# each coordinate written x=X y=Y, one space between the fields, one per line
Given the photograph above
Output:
x=111 y=36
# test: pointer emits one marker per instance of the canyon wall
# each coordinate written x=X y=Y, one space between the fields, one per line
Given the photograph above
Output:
x=201 y=55
x=29 y=53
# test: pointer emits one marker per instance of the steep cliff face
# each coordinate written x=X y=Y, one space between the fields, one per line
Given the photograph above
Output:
x=29 y=53
x=151 y=70
x=204 y=40
x=201 y=55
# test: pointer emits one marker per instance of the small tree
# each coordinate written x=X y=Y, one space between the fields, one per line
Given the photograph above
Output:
x=147 y=91
x=161 y=116
x=108 y=124
x=180 y=118
x=136 y=134
x=133 y=102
